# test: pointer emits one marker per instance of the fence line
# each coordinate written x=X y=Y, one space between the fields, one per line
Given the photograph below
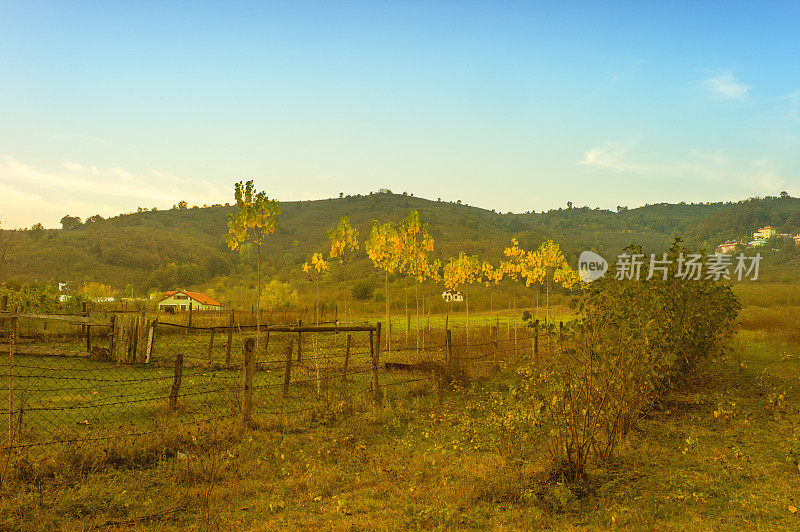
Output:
x=78 y=378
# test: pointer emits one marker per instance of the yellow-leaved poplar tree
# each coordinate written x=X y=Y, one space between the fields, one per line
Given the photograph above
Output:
x=344 y=242
x=256 y=217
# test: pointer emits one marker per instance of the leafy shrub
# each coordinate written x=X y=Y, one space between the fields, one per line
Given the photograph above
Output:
x=633 y=342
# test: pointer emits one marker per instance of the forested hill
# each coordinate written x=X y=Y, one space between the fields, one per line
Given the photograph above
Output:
x=184 y=246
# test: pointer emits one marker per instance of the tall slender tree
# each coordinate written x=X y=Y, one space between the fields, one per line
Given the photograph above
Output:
x=384 y=248
x=460 y=272
x=417 y=245
x=256 y=218
x=344 y=242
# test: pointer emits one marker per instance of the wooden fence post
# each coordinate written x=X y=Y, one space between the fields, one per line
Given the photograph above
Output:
x=229 y=345
x=190 y=313
x=287 y=377
x=247 y=386
x=299 y=342
x=561 y=336
x=346 y=357
x=112 y=342
x=5 y=303
x=88 y=332
x=211 y=347
x=536 y=340
x=12 y=347
x=494 y=344
x=151 y=340
x=176 y=382
x=374 y=348
x=449 y=348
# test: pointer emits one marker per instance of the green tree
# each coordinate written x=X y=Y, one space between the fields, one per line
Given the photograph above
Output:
x=70 y=223
x=255 y=219
x=363 y=290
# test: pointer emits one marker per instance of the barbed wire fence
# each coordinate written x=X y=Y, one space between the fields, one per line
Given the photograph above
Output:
x=108 y=376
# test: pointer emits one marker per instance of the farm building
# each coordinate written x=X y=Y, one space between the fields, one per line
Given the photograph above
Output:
x=796 y=239
x=452 y=296
x=180 y=300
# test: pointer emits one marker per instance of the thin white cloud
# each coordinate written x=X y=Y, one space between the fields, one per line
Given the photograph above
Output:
x=727 y=87
x=609 y=155
x=754 y=177
x=30 y=194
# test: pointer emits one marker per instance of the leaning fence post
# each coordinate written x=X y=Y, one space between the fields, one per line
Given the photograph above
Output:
x=287 y=377
x=229 y=345
x=346 y=357
x=247 y=387
x=374 y=348
x=176 y=382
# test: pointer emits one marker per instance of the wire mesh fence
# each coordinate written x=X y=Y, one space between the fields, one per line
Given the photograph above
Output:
x=110 y=376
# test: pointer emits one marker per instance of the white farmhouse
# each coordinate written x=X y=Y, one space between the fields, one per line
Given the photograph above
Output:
x=180 y=300
x=452 y=296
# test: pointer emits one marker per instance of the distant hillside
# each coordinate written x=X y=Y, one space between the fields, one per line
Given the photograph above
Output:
x=185 y=247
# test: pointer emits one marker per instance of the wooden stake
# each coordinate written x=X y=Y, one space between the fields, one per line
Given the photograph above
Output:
x=449 y=354
x=374 y=348
x=151 y=340
x=211 y=348
x=299 y=343
x=247 y=385
x=346 y=357
x=229 y=345
x=176 y=382
x=287 y=377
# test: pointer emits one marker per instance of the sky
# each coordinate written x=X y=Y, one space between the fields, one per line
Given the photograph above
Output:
x=106 y=107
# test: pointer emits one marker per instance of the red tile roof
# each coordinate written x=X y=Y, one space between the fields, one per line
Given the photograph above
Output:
x=197 y=296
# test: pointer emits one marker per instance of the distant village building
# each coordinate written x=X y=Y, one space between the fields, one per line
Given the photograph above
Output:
x=757 y=243
x=730 y=245
x=452 y=296
x=797 y=239
x=66 y=290
x=180 y=299
x=765 y=233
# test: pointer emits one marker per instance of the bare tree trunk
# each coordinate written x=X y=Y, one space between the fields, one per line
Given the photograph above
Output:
x=416 y=300
x=258 y=295
x=388 y=317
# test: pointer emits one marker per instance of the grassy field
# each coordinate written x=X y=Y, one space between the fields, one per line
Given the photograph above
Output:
x=721 y=452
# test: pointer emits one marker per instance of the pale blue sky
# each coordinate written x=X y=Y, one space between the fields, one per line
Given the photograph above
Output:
x=108 y=106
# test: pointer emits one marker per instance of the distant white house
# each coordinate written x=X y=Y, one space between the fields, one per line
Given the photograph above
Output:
x=452 y=296
x=181 y=299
